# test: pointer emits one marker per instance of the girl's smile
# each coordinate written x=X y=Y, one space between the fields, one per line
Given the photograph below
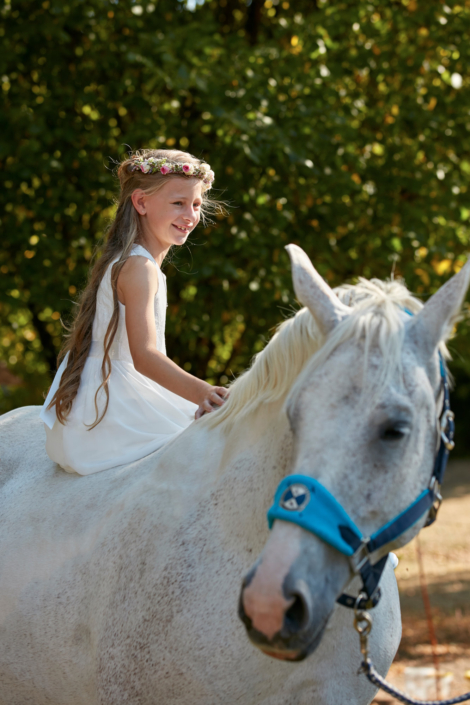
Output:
x=183 y=229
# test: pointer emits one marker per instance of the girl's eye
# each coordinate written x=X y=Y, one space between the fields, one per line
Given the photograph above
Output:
x=180 y=203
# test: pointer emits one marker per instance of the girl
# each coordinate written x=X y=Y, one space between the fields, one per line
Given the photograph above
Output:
x=116 y=396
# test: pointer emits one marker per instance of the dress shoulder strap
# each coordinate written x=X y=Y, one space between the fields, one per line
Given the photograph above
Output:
x=139 y=250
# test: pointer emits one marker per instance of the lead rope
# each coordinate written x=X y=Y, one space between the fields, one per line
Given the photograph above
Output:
x=363 y=626
x=428 y=611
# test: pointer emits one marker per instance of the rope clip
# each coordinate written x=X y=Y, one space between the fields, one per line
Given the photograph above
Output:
x=363 y=625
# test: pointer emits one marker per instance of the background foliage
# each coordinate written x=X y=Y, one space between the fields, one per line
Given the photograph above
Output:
x=343 y=126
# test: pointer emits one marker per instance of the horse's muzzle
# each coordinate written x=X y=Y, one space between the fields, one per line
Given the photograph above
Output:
x=283 y=627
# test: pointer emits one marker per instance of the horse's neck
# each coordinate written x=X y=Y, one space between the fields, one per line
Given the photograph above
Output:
x=256 y=457
x=263 y=432
x=232 y=467
x=263 y=438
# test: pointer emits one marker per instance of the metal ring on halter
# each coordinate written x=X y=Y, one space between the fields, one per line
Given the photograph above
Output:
x=360 y=557
x=367 y=619
x=435 y=488
x=362 y=596
x=447 y=416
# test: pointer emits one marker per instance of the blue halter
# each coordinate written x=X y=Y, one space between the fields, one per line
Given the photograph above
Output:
x=304 y=501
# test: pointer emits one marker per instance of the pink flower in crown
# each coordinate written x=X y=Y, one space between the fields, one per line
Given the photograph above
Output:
x=165 y=169
x=188 y=168
x=145 y=168
x=210 y=175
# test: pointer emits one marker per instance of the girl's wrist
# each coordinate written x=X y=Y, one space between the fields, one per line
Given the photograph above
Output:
x=204 y=391
x=198 y=390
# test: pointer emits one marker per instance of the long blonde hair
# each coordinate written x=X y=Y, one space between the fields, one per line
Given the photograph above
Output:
x=124 y=231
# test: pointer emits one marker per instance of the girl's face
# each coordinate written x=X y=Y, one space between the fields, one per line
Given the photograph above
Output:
x=169 y=215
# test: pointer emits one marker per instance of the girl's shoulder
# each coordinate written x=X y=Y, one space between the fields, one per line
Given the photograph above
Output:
x=140 y=251
x=139 y=276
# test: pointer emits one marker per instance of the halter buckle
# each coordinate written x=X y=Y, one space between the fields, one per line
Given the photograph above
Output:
x=447 y=416
x=360 y=556
x=435 y=488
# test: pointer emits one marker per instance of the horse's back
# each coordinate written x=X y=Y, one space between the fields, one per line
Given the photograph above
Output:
x=22 y=444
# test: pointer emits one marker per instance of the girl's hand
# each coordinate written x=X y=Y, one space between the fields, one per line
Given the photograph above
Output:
x=213 y=397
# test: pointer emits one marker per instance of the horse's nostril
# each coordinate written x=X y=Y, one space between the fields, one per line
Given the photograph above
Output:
x=297 y=616
x=241 y=611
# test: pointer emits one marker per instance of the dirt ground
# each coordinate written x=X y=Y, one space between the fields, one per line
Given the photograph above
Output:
x=445 y=548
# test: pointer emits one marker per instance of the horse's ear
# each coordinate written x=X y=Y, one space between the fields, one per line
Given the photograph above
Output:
x=436 y=319
x=313 y=291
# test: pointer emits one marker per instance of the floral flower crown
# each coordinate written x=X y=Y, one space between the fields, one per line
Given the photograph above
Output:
x=151 y=165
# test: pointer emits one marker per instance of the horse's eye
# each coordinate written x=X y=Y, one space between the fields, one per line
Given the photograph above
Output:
x=393 y=433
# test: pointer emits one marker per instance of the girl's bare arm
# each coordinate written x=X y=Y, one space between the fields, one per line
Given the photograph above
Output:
x=137 y=286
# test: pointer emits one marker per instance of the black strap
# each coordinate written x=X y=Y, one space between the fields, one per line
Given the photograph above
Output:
x=402 y=523
x=363 y=604
x=443 y=452
x=371 y=575
x=441 y=462
x=350 y=537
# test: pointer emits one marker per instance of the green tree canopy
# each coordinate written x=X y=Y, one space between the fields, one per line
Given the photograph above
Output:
x=343 y=126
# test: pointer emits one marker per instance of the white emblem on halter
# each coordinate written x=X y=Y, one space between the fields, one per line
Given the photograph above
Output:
x=295 y=498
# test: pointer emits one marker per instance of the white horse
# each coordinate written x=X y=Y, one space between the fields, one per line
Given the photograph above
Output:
x=122 y=587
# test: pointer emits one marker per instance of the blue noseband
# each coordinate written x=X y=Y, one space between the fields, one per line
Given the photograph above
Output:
x=304 y=501
x=320 y=513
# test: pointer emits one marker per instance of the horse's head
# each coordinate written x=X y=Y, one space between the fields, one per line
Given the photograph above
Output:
x=363 y=415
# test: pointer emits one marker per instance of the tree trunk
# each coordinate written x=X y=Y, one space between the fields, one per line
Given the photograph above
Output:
x=45 y=337
x=253 y=21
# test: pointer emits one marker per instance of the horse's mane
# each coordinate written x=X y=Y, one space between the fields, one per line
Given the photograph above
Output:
x=377 y=320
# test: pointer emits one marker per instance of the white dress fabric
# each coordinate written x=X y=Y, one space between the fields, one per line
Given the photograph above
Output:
x=142 y=415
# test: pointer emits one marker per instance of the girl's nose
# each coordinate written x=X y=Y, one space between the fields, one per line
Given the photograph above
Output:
x=191 y=216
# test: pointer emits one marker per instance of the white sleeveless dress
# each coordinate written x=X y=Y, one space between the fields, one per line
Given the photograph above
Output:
x=142 y=415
